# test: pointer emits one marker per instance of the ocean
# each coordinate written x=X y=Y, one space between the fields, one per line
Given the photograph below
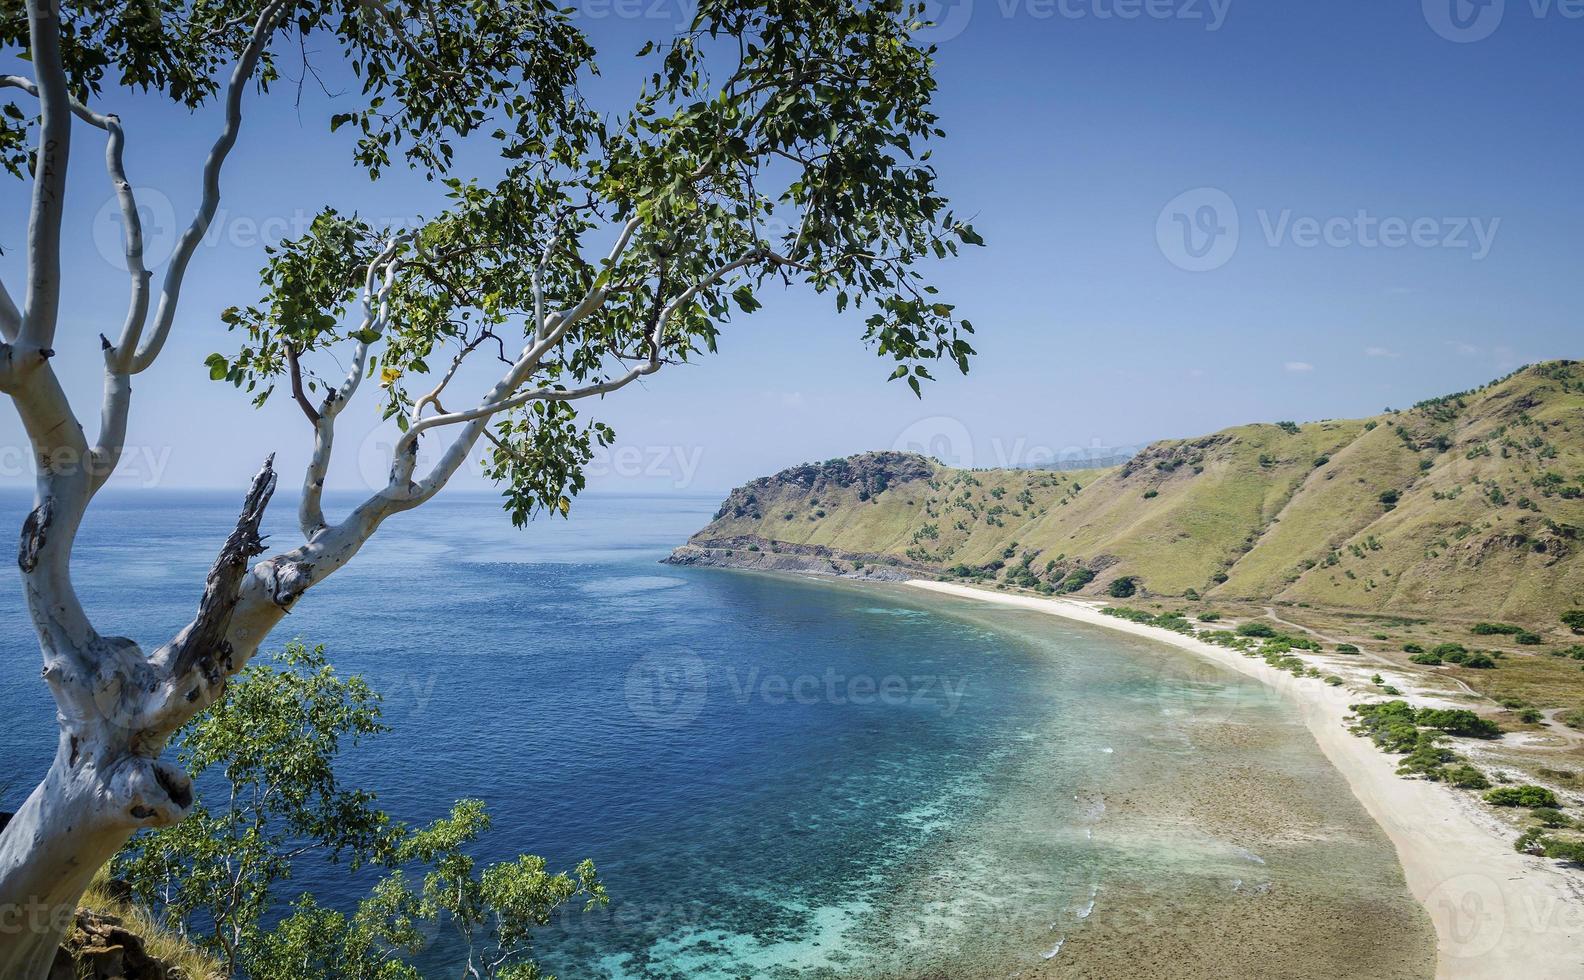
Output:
x=782 y=777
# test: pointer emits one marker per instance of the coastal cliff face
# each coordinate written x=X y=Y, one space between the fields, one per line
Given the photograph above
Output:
x=1466 y=506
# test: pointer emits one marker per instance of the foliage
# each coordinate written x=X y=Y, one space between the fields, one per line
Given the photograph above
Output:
x=796 y=154
x=273 y=739
x=1458 y=721
x=1122 y=588
x=1526 y=795
x=1257 y=630
x=1495 y=629
x=1347 y=648
x=1466 y=777
x=1573 y=619
x=272 y=743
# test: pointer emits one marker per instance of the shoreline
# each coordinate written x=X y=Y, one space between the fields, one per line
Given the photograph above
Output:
x=1497 y=913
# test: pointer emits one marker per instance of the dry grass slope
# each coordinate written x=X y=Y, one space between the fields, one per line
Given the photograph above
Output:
x=1463 y=507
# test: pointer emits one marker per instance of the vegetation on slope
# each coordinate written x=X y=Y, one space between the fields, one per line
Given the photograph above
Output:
x=1462 y=507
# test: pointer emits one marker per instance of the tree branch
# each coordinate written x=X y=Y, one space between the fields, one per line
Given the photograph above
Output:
x=376 y=312
x=10 y=316
x=199 y=659
x=176 y=270
x=294 y=368
x=42 y=306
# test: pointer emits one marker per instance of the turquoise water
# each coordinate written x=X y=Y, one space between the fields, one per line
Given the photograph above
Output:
x=776 y=777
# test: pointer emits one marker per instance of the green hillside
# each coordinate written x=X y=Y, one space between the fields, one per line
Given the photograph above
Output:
x=1467 y=506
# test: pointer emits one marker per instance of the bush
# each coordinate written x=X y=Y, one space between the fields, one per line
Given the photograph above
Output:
x=1151 y=494
x=1257 y=630
x=1530 y=639
x=1458 y=721
x=1495 y=629
x=1449 y=649
x=1573 y=718
x=1466 y=777
x=1413 y=648
x=1077 y=579
x=1530 y=716
x=1209 y=617
x=1334 y=681
x=1390 y=498
x=1573 y=619
x=1479 y=661
x=1551 y=817
x=1389 y=724
x=1528 y=795
x=1346 y=648
x=1123 y=588
x=1427 y=659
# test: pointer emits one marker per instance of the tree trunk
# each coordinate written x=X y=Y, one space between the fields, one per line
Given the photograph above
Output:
x=116 y=708
x=48 y=855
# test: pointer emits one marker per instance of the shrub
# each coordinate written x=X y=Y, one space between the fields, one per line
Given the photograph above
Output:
x=1449 y=649
x=1528 y=795
x=1258 y=630
x=1495 y=629
x=1530 y=639
x=1458 y=721
x=1573 y=718
x=1413 y=648
x=1389 y=724
x=1334 y=681
x=1466 y=776
x=1479 y=661
x=1428 y=659
x=1573 y=619
x=1077 y=579
x=1530 y=716
x=1346 y=648
x=1123 y=588
x=1390 y=498
x=1151 y=494
x=1209 y=617
x=1321 y=460
x=1551 y=817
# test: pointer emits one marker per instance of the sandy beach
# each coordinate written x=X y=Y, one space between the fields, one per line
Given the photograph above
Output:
x=1497 y=913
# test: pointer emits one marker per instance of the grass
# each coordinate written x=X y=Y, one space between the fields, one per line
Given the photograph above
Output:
x=159 y=942
x=1250 y=505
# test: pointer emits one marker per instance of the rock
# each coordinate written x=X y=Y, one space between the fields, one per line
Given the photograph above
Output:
x=100 y=947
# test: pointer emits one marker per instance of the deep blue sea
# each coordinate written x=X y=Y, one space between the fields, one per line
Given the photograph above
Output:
x=776 y=777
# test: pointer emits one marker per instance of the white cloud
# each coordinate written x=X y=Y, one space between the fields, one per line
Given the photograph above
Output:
x=1298 y=367
x=1380 y=352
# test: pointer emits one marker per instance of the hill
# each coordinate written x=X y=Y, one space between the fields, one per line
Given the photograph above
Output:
x=1467 y=506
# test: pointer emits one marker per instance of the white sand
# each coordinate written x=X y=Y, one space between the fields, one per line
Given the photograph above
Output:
x=1498 y=914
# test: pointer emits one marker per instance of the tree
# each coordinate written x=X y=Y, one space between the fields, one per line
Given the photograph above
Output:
x=1122 y=588
x=775 y=143
x=1573 y=619
x=274 y=739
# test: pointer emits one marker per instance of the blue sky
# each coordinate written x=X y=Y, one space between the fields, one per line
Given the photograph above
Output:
x=1198 y=214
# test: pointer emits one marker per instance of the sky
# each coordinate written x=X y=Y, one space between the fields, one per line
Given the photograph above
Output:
x=1198 y=213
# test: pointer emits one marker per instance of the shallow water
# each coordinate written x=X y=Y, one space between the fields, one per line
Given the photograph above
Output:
x=781 y=777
